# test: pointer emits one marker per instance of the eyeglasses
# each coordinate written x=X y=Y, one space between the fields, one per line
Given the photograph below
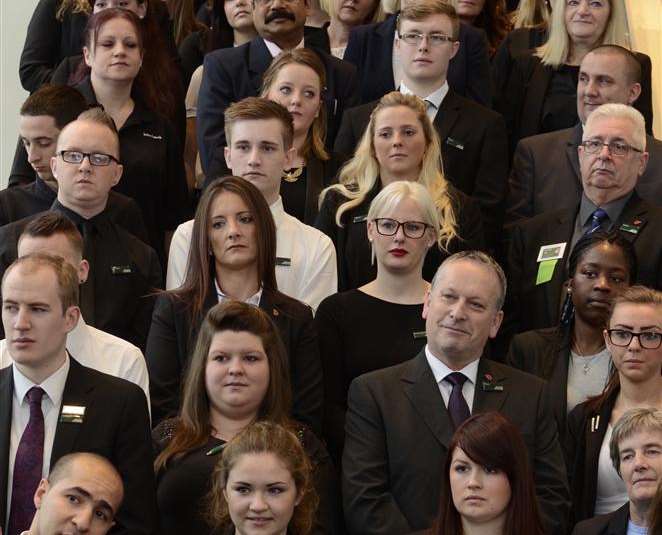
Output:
x=646 y=339
x=435 y=39
x=389 y=227
x=616 y=148
x=96 y=158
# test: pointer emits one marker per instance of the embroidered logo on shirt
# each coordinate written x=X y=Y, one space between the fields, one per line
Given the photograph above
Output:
x=153 y=136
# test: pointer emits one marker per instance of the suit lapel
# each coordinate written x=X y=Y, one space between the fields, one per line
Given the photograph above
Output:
x=259 y=59
x=557 y=383
x=423 y=392
x=491 y=388
x=447 y=116
x=384 y=48
x=6 y=393
x=618 y=524
x=536 y=91
x=633 y=218
x=571 y=151
x=560 y=231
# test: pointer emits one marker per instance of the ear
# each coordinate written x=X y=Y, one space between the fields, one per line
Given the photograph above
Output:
x=53 y=164
x=87 y=56
x=290 y=156
x=228 y=158
x=633 y=94
x=371 y=230
x=142 y=10
x=71 y=316
x=643 y=161
x=496 y=323
x=456 y=47
x=426 y=303
x=118 y=174
x=83 y=271
x=39 y=493
x=299 y=498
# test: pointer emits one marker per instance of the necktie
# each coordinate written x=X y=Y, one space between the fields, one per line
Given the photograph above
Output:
x=598 y=217
x=457 y=405
x=27 y=466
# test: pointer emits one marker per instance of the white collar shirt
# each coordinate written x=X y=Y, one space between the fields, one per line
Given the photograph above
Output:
x=252 y=300
x=433 y=100
x=441 y=371
x=274 y=49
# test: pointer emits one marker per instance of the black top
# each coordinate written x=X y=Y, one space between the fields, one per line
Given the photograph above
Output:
x=359 y=333
x=353 y=252
x=560 y=107
x=153 y=169
x=294 y=194
x=191 y=53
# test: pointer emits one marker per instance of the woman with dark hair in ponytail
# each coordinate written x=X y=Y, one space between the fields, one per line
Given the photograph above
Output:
x=572 y=356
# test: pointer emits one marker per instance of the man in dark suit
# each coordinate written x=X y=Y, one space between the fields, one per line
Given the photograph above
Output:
x=545 y=173
x=50 y=405
x=635 y=446
x=473 y=137
x=231 y=74
x=611 y=160
x=371 y=48
x=400 y=420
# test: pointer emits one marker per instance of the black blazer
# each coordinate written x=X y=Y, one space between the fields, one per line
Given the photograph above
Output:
x=397 y=436
x=531 y=306
x=615 y=523
x=231 y=74
x=172 y=339
x=116 y=425
x=582 y=450
x=370 y=48
x=545 y=175
x=474 y=151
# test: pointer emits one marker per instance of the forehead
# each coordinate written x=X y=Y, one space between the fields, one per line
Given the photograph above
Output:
x=258 y=131
x=636 y=315
x=641 y=438
x=468 y=278
x=432 y=23
x=259 y=468
x=396 y=116
x=604 y=64
x=94 y=479
x=298 y=73
x=227 y=202
x=235 y=340
x=406 y=208
x=609 y=128
x=30 y=284
x=57 y=244
x=87 y=136
x=37 y=126
x=604 y=253
x=118 y=25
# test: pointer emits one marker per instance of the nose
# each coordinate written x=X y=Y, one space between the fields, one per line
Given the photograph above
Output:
x=475 y=480
x=423 y=45
x=258 y=503
x=640 y=462
x=254 y=157
x=602 y=282
x=34 y=154
x=457 y=310
x=399 y=235
x=232 y=226
x=591 y=87
x=583 y=7
x=22 y=319
x=397 y=139
x=83 y=519
x=236 y=367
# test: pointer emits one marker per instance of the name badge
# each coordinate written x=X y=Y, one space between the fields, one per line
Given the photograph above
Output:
x=419 y=334
x=72 y=414
x=633 y=227
x=548 y=256
x=121 y=270
x=281 y=261
x=455 y=143
x=360 y=219
x=153 y=136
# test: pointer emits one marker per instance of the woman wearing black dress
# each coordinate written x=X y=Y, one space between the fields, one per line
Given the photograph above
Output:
x=402 y=225
x=238 y=374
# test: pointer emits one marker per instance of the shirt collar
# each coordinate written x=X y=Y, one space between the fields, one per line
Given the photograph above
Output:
x=274 y=49
x=252 y=300
x=53 y=386
x=613 y=208
x=277 y=211
x=440 y=370
x=435 y=98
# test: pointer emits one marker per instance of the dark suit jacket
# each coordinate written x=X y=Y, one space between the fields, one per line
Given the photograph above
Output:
x=545 y=174
x=231 y=74
x=116 y=425
x=474 y=152
x=397 y=437
x=172 y=340
x=615 y=523
x=531 y=306
x=370 y=48
x=582 y=450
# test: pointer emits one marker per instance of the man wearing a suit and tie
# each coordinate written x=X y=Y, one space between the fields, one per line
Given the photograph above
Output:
x=400 y=420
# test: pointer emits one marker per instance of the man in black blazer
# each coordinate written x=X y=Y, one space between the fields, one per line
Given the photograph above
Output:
x=75 y=408
x=473 y=138
x=539 y=248
x=545 y=173
x=231 y=74
x=371 y=48
x=400 y=420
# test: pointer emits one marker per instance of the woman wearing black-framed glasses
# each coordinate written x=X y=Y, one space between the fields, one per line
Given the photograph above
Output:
x=402 y=225
x=634 y=339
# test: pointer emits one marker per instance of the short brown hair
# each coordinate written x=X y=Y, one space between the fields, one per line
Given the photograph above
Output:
x=418 y=10
x=65 y=274
x=63 y=103
x=51 y=223
x=633 y=421
x=259 y=109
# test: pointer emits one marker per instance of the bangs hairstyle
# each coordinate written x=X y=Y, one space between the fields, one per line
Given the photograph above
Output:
x=492 y=441
x=201 y=267
x=532 y=13
x=51 y=223
x=61 y=102
x=377 y=14
x=193 y=427
x=263 y=438
x=359 y=175
x=418 y=10
x=632 y=422
x=316 y=137
x=614 y=110
x=556 y=50
x=259 y=109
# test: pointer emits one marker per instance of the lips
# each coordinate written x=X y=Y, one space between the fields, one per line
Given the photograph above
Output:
x=22 y=342
x=600 y=303
x=474 y=499
x=235 y=384
x=398 y=155
x=454 y=329
x=398 y=252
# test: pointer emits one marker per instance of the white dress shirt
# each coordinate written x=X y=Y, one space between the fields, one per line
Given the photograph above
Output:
x=441 y=371
x=433 y=100
x=53 y=388
x=306 y=258
x=100 y=351
x=274 y=49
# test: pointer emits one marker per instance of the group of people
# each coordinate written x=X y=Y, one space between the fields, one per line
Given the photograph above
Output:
x=341 y=267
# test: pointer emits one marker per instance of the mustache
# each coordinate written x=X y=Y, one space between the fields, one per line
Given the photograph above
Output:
x=279 y=14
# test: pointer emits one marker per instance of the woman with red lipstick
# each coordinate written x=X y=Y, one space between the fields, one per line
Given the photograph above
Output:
x=634 y=339
x=402 y=226
x=399 y=143
x=572 y=357
x=238 y=375
x=487 y=484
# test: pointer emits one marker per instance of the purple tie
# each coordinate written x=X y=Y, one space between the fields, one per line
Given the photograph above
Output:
x=457 y=405
x=598 y=217
x=27 y=466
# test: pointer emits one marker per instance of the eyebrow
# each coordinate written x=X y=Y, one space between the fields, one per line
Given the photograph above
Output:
x=102 y=503
x=644 y=328
x=33 y=303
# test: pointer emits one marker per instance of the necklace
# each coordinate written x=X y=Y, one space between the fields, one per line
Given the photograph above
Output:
x=586 y=362
x=292 y=175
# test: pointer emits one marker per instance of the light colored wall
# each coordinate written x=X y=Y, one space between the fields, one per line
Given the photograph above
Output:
x=14 y=18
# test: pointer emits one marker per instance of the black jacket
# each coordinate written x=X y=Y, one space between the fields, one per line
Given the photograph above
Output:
x=615 y=523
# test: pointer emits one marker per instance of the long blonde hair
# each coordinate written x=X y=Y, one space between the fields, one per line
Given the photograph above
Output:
x=556 y=50
x=531 y=13
x=75 y=6
x=359 y=175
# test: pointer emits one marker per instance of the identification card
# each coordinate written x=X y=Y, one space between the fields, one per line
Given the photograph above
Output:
x=551 y=252
x=281 y=261
x=360 y=219
x=121 y=270
x=455 y=143
x=419 y=334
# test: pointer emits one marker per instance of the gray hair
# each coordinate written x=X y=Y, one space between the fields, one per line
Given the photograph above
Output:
x=633 y=421
x=483 y=259
x=621 y=111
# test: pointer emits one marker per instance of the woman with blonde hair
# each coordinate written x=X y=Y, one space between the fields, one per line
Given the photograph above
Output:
x=403 y=225
x=399 y=143
x=345 y=16
x=296 y=79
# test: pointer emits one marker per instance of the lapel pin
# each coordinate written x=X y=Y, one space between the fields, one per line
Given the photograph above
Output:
x=488 y=384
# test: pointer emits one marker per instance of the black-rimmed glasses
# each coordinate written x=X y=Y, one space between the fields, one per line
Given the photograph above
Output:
x=647 y=339
x=96 y=158
x=389 y=227
x=616 y=148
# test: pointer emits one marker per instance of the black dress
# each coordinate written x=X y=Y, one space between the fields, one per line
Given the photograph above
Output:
x=355 y=267
x=359 y=333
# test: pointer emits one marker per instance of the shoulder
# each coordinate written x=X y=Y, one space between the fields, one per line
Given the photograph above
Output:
x=339 y=301
x=289 y=306
x=472 y=108
x=525 y=383
x=224 y=58
x=469 y=34
x=600 y=523
x=366 y=30
x=140 y=252
x=112 y=346
x=537 y=338
x=162 y=434
x=313 y=238
x=384 y=378
x=110 y=387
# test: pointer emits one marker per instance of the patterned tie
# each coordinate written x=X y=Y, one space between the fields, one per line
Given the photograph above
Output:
x=27 y=466
x=457 y=405
x=598 y=217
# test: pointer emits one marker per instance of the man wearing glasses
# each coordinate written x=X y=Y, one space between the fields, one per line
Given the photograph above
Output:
x=612 y=157
x=124 y=271
x=473 y=138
